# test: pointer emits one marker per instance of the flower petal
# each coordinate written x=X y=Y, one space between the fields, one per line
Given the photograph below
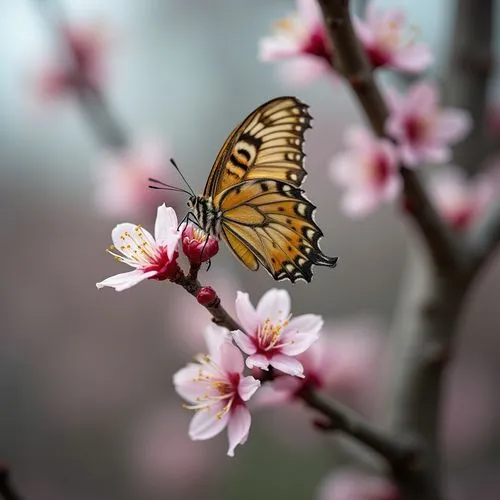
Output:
x=452 y=125
x=207 y=423
x=247 y=387
x=124 y=281
x=287 y=364
x=274 y=305
x=244 y=342
x=231 y=359
x=238 y=427
x=185 y=382
x=258 y=361
x=126 y=241
x=246 y=313
x=215 y=337
x=166 y=233
x=413 y=58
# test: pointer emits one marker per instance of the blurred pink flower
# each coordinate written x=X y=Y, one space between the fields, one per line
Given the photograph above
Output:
x=368 y=170
x=272 y=338
x=162 y=457
x=350 y=484
x=461 y=200
x=382 y=34
x=301 y=36
x=197 y=245
x=424 y=131
x=218 y=391
x=87 y=46
x=345 y=362
x=122 y=179
x=152 y=257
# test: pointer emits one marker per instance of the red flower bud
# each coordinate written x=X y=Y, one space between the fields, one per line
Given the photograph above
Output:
x=206 y=295
x=197 y=245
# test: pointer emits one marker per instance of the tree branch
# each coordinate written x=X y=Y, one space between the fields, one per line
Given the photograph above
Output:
x=7 y=490
x=469 y=74
x=398 y=454
x=354 y=66
x=484 y=236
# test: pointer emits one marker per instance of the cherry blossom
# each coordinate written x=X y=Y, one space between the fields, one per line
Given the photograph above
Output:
x=272 y=337
x=461 y=200
x=346 y=484
x=383 y=37
x=152 y=257
x=121 y=179
x=197 y=245
x=302 y=39
x=87 y=45
x=424 y=131
x=368 y=171
x=218 y=391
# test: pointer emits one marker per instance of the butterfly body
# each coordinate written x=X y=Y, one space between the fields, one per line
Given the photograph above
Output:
x=253 y=197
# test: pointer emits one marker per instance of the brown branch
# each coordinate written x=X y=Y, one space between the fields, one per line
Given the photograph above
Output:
x=354 y=66
x=399 y=454
x=469 y=75
x=7 y=490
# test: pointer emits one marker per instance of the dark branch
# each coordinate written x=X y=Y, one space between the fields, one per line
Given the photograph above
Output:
x=354 y=66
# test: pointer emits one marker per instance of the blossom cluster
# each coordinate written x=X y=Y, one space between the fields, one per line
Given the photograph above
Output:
x=418 y=130
x=215 y=385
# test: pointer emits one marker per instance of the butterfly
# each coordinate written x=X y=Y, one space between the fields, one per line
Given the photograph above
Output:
x=253 y=198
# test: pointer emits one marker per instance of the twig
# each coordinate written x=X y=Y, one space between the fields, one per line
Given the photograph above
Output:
x=469 y=74
x=7 y=490
x=355 y=68
x=396 y=452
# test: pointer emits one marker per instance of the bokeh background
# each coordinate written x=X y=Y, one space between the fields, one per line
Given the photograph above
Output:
x=88 y=411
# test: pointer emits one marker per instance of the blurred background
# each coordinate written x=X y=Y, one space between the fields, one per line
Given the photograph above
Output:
x=88 y=408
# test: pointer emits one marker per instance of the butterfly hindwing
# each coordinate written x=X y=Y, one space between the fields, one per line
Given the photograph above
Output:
x=272 y=220
x=267 y=145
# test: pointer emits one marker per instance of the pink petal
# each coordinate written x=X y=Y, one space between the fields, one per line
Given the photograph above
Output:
x=274 y=48
x=342 y=167
x=307 y=324
x=363 y=32
x=274 y=305
x=394 y=126
x=422 y=97
x=359 y=203
x=409 y=155
x=244 y=342
x=309 y=12
x=452 y=125
x=436 y=153
x=166 y=233
x=258 y=361
x=184 y=382
x=231 y=359
x=124 y=281
x=393 y=188
x=126 y=227
x=238 y=427
x=304 y=70
x=287 y=364
x=247 y=387
x=215 y=337
x=358 y=137
x=394 y=99
x=246 y=313
x=413 y=58
x=207 y=423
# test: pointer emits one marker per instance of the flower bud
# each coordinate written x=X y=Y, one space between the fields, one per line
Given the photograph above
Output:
x=197 y=245
x=206 y=295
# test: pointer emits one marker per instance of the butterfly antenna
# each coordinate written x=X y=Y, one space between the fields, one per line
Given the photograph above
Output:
x=156 y=184
x=174 y=164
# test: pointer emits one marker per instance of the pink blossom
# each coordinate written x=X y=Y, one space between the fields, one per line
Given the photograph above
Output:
x=303 y=38
x=347 y=484
x=217 y=390
x=87 y=46
x=424 y=131
x=368 y=171
x=197 y=245
x=382 y=35
x=121 y=179
x=152 y=258
x=271 y=337
x=345 y=362
x=461 y=200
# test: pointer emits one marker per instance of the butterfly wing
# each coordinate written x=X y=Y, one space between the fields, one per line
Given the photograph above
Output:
x=270 y=223
x=267 y=145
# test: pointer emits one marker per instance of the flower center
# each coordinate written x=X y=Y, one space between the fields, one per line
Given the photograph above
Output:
x=415 y=128
x=218 y=387
x=380 y=170
x=138 y=248
x=317 y=45
x=269 y=335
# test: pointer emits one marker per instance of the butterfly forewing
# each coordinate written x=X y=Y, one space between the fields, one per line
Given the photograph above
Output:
x=267 y=145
